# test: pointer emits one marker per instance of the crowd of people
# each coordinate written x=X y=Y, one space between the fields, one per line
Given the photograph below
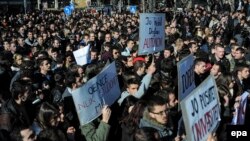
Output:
x=38 y=72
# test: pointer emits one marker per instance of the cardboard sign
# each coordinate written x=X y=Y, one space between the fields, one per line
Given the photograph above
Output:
x=186 y=82
x=201 y=111
x=101 y=90
x=82 y=55
x=152 y=33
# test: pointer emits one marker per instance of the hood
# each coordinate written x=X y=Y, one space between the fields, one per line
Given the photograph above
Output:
x=147 y=121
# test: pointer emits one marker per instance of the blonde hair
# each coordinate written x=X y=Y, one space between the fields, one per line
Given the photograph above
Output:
x=16 y=55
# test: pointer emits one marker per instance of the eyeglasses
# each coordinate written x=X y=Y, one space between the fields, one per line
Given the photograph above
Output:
x=161 y=112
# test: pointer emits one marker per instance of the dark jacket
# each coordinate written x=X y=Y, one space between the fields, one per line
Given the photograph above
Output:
x=127 y=133
x=199 y=78
x=12 y=114
x=224 y=62
x=69 y=108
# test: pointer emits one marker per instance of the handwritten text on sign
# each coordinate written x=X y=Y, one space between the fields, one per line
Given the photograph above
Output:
x=185 y=76
x=90 y=98
x=152 y=35
x=201 y=109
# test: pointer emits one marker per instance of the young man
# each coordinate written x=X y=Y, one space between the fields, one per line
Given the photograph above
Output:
x=219 y=57
x=133 y=87
x=240 y=56
x=43 y=75
x=207 y=47
x=216 y=70
x=193 y=47
x=115 y=53
x=15 y=107
x=23 y=134
x=241 y=78
x=94 y=56
x=127 y=50
x=230 y=56
x=199 y=71
x=156 y=116
x=30 y=40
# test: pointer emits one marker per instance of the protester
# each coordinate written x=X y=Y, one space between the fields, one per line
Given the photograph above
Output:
x=22 y=134
x=13 y=111
x=200 y=73
x=98 y=130
x=38 y=67
x=157 y=116
x=146 y=134
x=130 y=122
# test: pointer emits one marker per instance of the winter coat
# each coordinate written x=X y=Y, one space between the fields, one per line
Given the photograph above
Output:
x=12 y=114
x=165 y=131
x=96 y=131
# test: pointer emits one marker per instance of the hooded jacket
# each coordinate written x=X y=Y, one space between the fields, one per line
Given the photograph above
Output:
x=165 y=131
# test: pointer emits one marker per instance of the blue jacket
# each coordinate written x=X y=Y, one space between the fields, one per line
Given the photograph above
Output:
x=144 y=85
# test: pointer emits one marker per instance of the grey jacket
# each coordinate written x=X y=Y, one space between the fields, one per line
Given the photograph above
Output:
x=165 y=131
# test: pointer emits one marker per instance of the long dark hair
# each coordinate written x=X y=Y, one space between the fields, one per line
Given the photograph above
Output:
x=46 y=113
x=132 y=120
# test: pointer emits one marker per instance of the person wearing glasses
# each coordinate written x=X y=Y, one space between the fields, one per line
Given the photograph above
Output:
x=115 y=53
x=156 y=115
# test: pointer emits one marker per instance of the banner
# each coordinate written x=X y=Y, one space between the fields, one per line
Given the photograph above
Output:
x=101 y=90
x=152 y=33
x=82 y=55
x=201 y=111
x=186 y=82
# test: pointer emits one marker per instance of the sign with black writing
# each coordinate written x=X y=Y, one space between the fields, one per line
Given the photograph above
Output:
x=151 y=33
x=201 y=111
x=101 y=90
x=185 y=76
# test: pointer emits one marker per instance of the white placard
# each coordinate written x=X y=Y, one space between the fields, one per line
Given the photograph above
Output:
x=201 y=111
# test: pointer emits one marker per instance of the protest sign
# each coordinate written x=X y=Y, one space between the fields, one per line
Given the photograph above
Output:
x=240 y=112
x=186 y=82
x=201 y=111
x=101 y=90
x=82 y=55
x=152 y=33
